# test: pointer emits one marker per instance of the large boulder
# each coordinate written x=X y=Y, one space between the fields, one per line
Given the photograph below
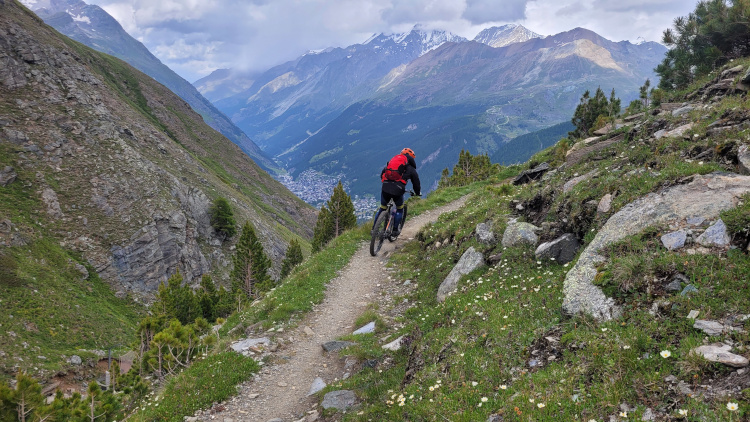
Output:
x=470 y=260
x=706 y=196
x=520 y=233
x=562 y=250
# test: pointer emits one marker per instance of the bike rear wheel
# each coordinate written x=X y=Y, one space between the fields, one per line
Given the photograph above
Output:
x=378 y=232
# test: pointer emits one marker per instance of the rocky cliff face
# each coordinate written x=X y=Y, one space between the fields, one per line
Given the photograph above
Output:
x=118 y=168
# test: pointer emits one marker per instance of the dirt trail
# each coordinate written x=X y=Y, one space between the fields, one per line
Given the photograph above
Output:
x=279 y=392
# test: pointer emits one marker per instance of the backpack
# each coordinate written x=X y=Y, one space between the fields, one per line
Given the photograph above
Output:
x=396 y=168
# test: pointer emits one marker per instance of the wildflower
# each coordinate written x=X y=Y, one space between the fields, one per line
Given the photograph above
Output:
x=665 y=353
x=540 y=405
x=732 y=406
x=623 y=414
x=432 y=388
x=531 y=400
x=484 y=399
x=682 y=412
x=474 y=383
x=503 y=387
x=604 y=329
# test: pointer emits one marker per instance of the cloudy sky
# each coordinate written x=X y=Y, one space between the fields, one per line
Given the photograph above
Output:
x=195 y=37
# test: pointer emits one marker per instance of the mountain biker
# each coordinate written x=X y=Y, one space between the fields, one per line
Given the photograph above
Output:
x=395 y=175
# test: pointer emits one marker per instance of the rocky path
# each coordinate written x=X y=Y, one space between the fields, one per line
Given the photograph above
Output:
x=279 y=392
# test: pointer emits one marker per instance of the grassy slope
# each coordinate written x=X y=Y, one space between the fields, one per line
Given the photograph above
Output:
x=470 y=355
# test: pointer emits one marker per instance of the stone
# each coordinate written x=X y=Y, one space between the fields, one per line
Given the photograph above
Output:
x=743 y=158
x=75 y=360
x=191 y=419
x=246 y=344
x=495 y=418
x=682 y=110
x=317 y=385
x=520 y=233
x=693 y=314
x=368 y=328
x=309 y=331
x=648 y=415
x=688 y=289
x=470 y=260
x=674 y=240
x=7 y=176
x=674 y=286
x=706 y=196
x=394 y=345
x=562 y=250
x=719 y=352
x=679 y=131
x=695 y=221
x=335 y=346
x=605 y=204
x=527 y=176
x=715 y=235
x=712 y=328
x=746 y=79
x=731 y=72
x=341 y=400
x=49 y=197
x=570 y=184
x=484 y=234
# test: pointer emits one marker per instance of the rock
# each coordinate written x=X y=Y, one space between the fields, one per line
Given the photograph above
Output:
x=341 y=400
x=746 y=79
x=520 y=233
x=674 y=286
x=605 y=204
x=688 y=289
x=270 y=420
x=715 y=235
x=83 y=271
x=246 y=344
x=528 y=175
x=674 y=240
x=562 y=250
x=49 y=197
x=693 y=314
x=679 y=131
x=719 y=352
x=495 y=418
x=570 y=184
x=470 y=260
x=75 y=360
x=309 y=331
x=743 y=158
x=648 y=415
x=731 y=72
x=7 y=176
x=317 y=385
x=484 y=233
x=368 y=328
x=706 y=196
x=695 y=221
x=191 y=419
x=494 y=259
x=394 y=345
x=682 y=110
x=712 y=328
x=334 y=346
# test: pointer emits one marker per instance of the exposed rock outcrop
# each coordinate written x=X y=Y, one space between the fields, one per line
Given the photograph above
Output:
x=519 y=233
x=705 y=197
x=470 y=260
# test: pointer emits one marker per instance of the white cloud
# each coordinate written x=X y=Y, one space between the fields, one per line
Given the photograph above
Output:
x=191 y=35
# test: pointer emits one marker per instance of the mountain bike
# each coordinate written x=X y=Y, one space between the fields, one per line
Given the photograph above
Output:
x=383 y=227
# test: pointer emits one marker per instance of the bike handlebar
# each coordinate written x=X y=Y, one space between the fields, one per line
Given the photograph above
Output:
x=411 y=192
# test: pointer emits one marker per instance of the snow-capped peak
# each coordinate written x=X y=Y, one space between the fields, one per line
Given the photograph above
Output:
x=640 y=41
x=500 y=36
x=426 y=39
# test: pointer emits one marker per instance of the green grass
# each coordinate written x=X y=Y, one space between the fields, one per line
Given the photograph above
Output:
x=206 y=381
x=470 y=356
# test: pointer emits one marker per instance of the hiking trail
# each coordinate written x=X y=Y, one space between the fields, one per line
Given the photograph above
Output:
x=279 y=391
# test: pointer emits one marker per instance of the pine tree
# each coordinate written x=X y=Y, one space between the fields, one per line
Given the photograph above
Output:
x=292 y=258
x=175 y=300
x=588 y=111
x=644 y=93
x=335 y=216
x=468 y=169
x=250 y=272
x=208 y=298
x=222 y=217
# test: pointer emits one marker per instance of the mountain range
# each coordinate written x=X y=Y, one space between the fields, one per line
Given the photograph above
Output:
x=345 y=111
x=91 y=25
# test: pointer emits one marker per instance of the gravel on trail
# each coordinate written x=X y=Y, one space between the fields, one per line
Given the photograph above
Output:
x=280 y=390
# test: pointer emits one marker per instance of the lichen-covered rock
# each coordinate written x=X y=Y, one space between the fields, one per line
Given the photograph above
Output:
x=484 y=233
x=715 y=235
x=605 y=204
x=706 y=196
x=719 y=352
x=341 y=400
x=674 y=240
x=470 y=260
x=520 y=233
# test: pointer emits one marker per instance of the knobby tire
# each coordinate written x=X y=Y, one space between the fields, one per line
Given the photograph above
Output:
x=378 y=233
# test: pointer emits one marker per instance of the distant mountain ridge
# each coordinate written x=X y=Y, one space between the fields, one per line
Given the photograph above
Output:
x=94 y=27
x=343 y=111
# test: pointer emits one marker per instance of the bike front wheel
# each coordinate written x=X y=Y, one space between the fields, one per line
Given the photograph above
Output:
x=378 y=233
